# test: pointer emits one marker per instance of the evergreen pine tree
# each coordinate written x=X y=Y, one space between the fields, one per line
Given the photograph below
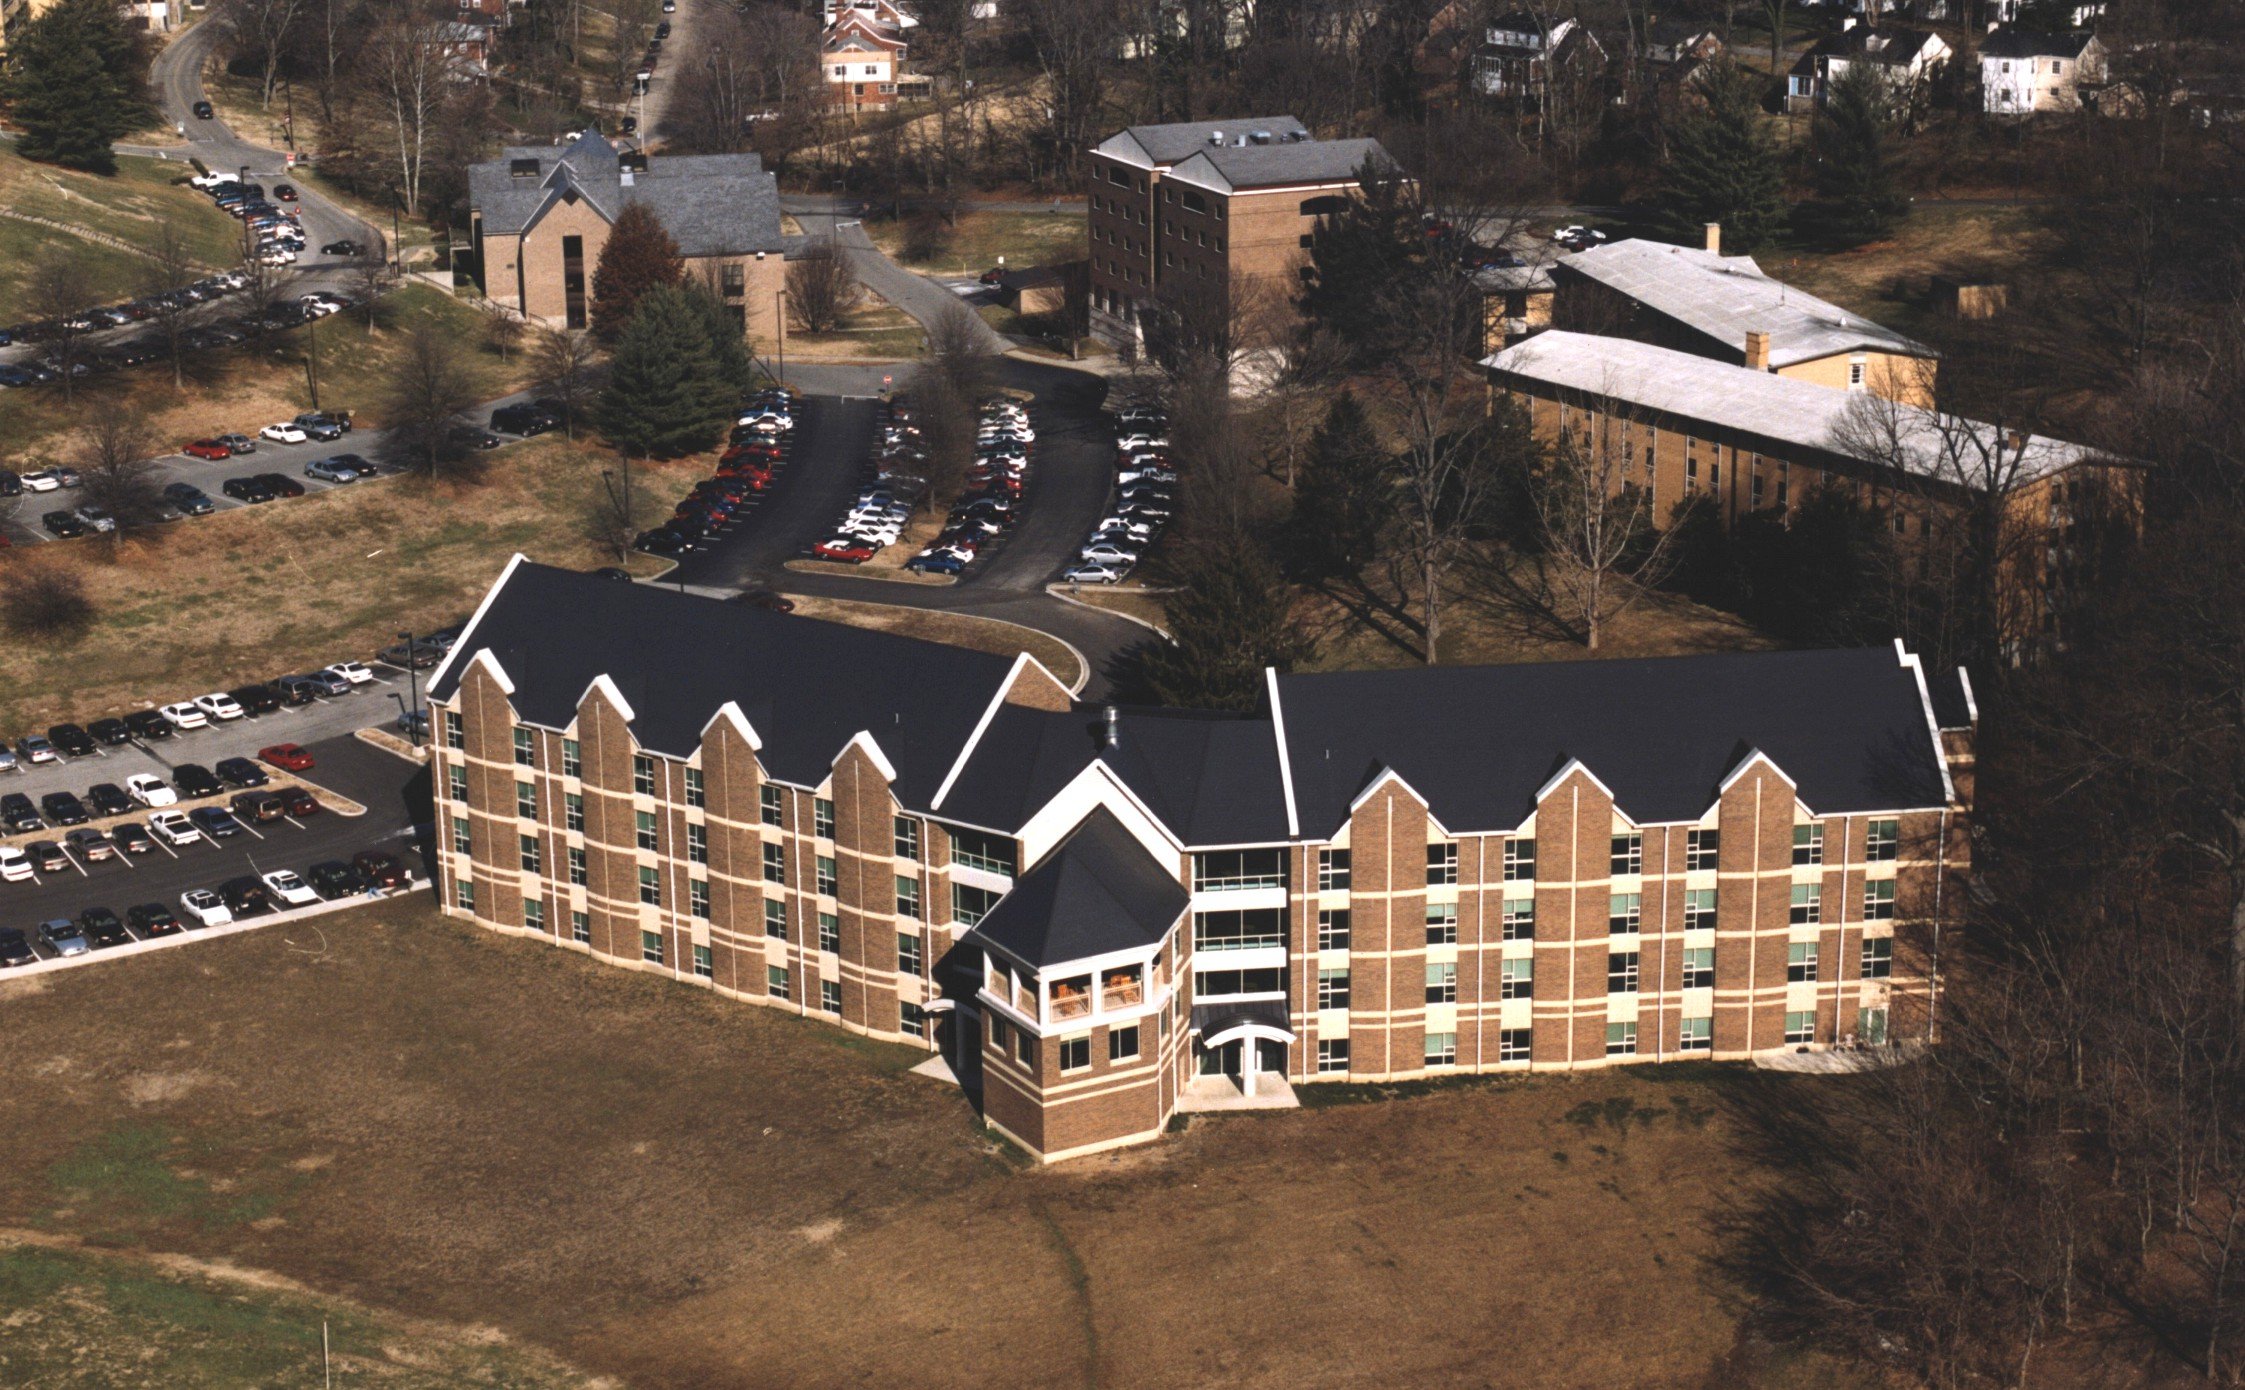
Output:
x=1344 y=498
x=728 y=345
x=1723 y=166
x=664 y=396
x=76 y=85
x=1228 y=618
x=1856 y=197
x=638 y=257
x=1358 y=251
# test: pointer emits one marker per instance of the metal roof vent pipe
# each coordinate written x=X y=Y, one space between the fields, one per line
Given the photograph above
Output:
x=1110 y=720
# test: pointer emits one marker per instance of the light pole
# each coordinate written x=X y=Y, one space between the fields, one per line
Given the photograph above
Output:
x=779 y=312
x=414 y=714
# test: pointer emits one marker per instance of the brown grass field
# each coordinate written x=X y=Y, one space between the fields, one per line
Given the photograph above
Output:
x=418 y=1120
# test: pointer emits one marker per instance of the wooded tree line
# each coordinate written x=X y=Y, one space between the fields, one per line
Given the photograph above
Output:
x=76 y=81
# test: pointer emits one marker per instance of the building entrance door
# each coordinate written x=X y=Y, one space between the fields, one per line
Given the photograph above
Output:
x=1222 y=1061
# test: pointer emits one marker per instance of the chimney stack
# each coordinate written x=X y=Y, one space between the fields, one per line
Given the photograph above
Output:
x=1715 y=238
x=1110 y=717
x=1757 y=352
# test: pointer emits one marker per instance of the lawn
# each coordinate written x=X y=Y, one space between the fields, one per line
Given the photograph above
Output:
x=255 y=591
x=660 y=1185
x=1024 y=238
x=874 y=329
x=247 y=386
x=129 y=205
x=953 y=629
x=1886 y=280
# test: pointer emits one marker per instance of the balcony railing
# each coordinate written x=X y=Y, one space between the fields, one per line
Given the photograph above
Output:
x=1070 y=1004
x=1122 y=994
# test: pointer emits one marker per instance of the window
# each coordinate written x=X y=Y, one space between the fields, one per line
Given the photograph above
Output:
x=1621 y=972
x=572 y=758
x=1332 y=1054
x=1211 y=983
x=1873 y=1027
x=911 y=1019
x=1122 y=1044
x=1800 y=962
x=577 y=873
x=526 y=801
x=907 y=838
x=1878 y=900
x=1623 y=911
x=526 y=747
x=642 y=774
x=697 y=898
x=830 y=996
x=1518 y=980
x=1240 y=929
x=1883 y=841
x=969 y=905
x=907 y=954
x=650 y=887
x=1332 y=871
x=1332 y=989
x=907 y=895
x=1702 y=848
x=1621 y=1040
x=1783 y=469
x=464 y=893
x=1627 y=855
x=1808 y=904
x=1695 y=1035
x=829 y=932
x=1442 y=924
x=531 y=858
x=572 y=811
x=1025 y=1048
x=775 y=919
x=1333 y=929
x=775 y=864
x=1442 y=864
x=1442 y=1049
x=1442 y=982
x=458 y=777
x=1699 y=967
x=768 y=798
x=1808 y=844
x=1699 y=909
x=1519 y=860
x=1225 y=871
x=1855 y=374
x=460 y=840
x=1800 y=1027
x=644 y=821
x=697 y=843
x=455 y=737
x=580 y=928
x=651 y=947
x=696 y=795
x=998 y=1027
x=1075 y=1054
x=705 y=963
x=1878 y=957
x=1520 y=919
x=826 y=874
x=822 y=817
x=992 y=854
x=533 y=914
x=776 y=981
x=1513 y=1044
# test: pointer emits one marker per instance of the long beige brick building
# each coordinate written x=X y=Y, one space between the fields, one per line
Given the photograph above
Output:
x=1099 y=917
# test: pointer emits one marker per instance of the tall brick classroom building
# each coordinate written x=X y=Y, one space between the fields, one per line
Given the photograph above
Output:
x=1101 y=916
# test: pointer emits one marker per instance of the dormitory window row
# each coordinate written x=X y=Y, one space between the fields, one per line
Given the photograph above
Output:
x=1332 y=871
x=1238 y=870
x=1442 y=865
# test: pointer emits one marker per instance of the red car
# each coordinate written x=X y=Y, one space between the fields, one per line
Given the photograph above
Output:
x=847 y=549
x=300 y=803
x=287 y=757
x=207 y=449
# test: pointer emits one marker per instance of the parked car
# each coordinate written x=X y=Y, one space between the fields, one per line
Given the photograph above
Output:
x=71 y=739
x=290 y=889
x=131 y=837
x=256 y=699
x=218 y=705
x=189 y=499
x=345 y=247
x=378 y=869
x=110 y=733
x=205 y=907
x=173 y=828
x=256 y=808
x=240 y=772
x=103 y=928
x=246 y=896
x=249 y=490
x=210 y=449
x=330 y=471
x=216 y=822
x=89 y=846
x=63 y=808
x=297 y=690
x=355 y=672
x=62 y=936
x=148 y=725
x=239 y=443
x=328 y=683
x=286 y=756
x=19 y=815
x=62 y=525
x=108 y=799
x=523 y=420
x=285 y=432
x=15 y=865
x=183 y=715
x=297 y=801
x=204 y=111
x=15 y=948
x=151 y=919
x=47 y=856
x=280 y=484
x=37 y=748
x=332 y=879
x=194 y=780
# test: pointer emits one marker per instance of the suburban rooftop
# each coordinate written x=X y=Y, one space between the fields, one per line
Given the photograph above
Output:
x=712 y=204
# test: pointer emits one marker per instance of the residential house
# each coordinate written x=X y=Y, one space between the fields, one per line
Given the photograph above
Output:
x=1909 y=60
x=539 y=216
x=2023 y=73
x=1726 y=308
x=863 y=55
x=1524 y=53
x=1101 y=917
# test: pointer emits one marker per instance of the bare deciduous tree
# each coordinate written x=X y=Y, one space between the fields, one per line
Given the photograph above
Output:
x=424 y=403
x=263 y=30
x=561 y=369
x=821 y=286
x=60 y=296
x=119 y=475
x=1599 y=547
x=169 y=268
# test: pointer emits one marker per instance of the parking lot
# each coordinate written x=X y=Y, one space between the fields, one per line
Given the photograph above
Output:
x=393 y=791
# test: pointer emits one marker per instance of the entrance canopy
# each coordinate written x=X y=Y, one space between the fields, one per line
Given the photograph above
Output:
x=1218 y=1024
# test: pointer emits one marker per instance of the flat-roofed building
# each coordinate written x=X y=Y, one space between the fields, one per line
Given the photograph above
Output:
x=1102 y=916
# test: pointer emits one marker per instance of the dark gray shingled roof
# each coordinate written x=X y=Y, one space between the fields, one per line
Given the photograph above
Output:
x=1166 y=144
x=1849 y=727
x=1098 y=891
x=1952 y=701
x=1264 y=166
x=712 y=205
x=2025 y=43
x=1211 y=778
x=807 y=687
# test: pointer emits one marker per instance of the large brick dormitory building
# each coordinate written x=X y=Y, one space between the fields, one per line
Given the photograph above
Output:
x=1101 y=916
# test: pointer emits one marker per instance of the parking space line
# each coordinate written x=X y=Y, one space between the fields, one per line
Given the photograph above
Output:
x=293 y=821
x=250 y=828
x=75 y=864
x=165 y=848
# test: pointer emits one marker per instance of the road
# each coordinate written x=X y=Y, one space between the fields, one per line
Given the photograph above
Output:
x=924 y=299
x=394 y=791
